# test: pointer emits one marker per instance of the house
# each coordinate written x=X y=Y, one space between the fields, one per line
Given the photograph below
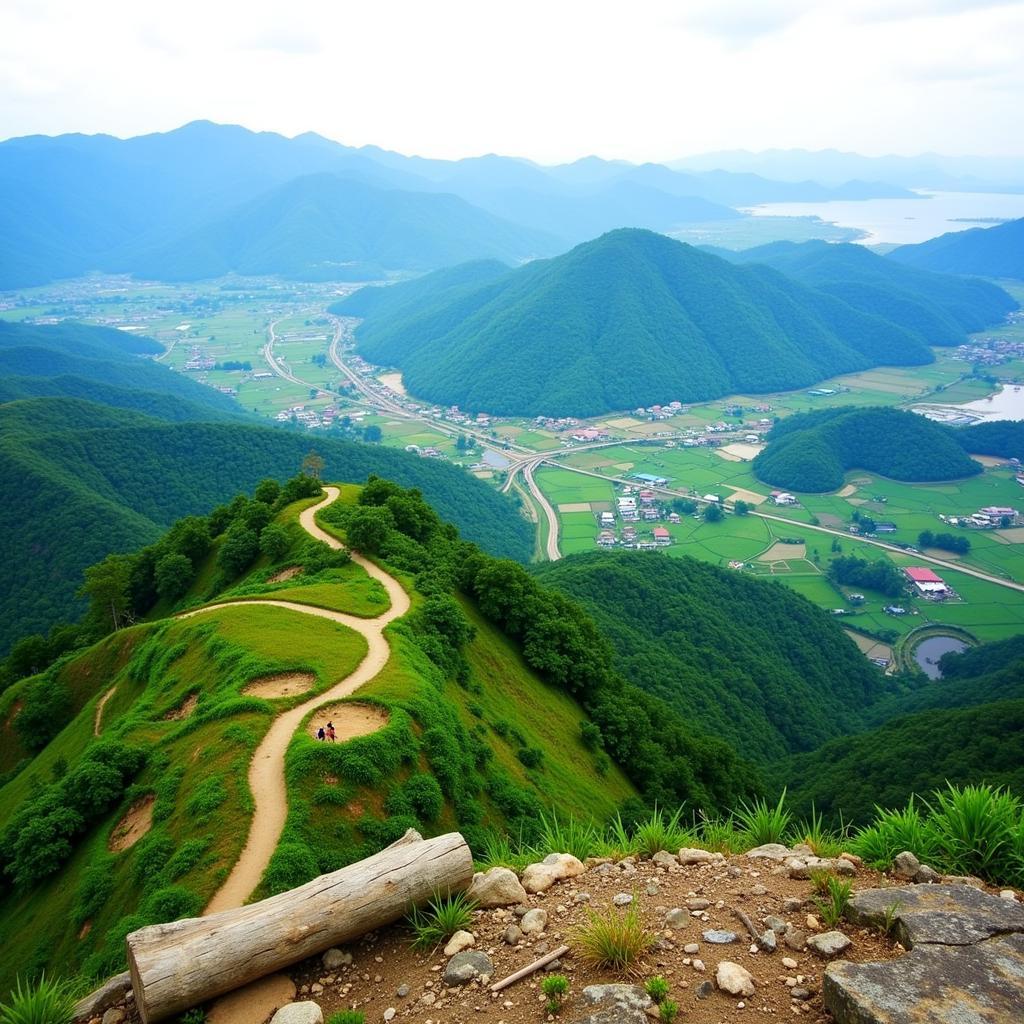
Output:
x=661 y=536
x=712 y=497
x=894 y=609
x=650 y=515
x=783 y=498
x=606 y=539
x=626 y=504
x=928 y=584
x=885 y=527
x=654 y=481
x=674 y=517
x=997 y=513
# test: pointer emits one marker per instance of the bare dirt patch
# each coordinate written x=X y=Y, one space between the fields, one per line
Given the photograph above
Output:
x=742 y=449
x=286 y=574
x=779 y=552
x=84 y=930
x=872 y=648
x=1015 y=535
x=350 y=720
x=184 y=709
x=950 y=556
x=827 y=519
x=847 y=491
x=285 y=684
x=990 y=461
x=728 y=456
x=253 y=1002
x=574 y=506
x=98 y=720
x=133 y=826
x=750 y=497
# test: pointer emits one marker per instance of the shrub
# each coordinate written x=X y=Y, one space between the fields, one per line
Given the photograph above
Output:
x=760 y=823
x=444 y=916
x=45 y=710
x=895 y=831
x=531 y=757
x=292 y=864
x=48 y=1001
x=668 y=1011
x=614 y=941
x=657 y=988
x=555 y=987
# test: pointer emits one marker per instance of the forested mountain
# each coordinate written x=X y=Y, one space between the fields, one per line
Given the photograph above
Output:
x=743 y=659
x=812 y=451
x=984 y=252
x=1004 y=438
x=632 y=318
x=325 y=227
x=940 y=308
x=81 y=480
x=967 y=728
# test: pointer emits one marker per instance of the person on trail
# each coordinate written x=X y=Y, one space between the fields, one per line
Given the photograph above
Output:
x=320 y=734
x=331 y=735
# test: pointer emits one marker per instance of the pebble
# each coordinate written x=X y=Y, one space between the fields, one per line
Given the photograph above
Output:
x=719 y=937
x=691 y=948
x=789 y=963
x=704 y=989
x=389 y=1013
x=698 y=965
x=402 y=991
x=622 y=899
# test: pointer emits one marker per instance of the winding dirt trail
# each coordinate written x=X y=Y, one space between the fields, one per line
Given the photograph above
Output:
x=97 y=721
x=266 y=772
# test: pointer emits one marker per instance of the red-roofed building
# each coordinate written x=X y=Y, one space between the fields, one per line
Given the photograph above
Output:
x=661 y=535
x=926 y=581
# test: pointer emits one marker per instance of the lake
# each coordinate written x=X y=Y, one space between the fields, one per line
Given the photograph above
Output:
x=928 y=652
x=1006 y=404
x=904 y=221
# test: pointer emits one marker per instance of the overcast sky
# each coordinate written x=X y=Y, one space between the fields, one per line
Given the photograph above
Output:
x=547 y=79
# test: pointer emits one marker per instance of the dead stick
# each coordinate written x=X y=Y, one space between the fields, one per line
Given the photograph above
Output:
x=755 y=934
x=530 y=968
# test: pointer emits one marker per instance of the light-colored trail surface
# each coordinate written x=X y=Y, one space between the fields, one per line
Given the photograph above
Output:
x=98 y=720
x=266 y=772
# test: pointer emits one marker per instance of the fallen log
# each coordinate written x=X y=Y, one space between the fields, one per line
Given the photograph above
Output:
x=179 y=965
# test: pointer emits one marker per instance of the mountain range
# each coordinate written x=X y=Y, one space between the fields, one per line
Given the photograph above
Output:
x=634 y=319
x=985 y=252
x=209 y=199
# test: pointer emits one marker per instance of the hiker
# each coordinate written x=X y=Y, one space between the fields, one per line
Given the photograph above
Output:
x=320 y=734
x=330 y=731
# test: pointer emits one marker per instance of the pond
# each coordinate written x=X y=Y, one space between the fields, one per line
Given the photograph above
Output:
x=928 y=652
x=495 y=459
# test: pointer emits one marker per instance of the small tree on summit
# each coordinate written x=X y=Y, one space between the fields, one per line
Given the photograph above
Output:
x=313 y=465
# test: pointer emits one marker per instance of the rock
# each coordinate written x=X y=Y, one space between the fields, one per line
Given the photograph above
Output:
x=498 y=887
x=538 y=878
x=698 y=965
x=769 y=941
x=697 y=903
x=534 y=921
x=803 y=850
x=980 y=982
x=856 y=861
x=905 y=865
x=513 y=935
x=758 y=890
x=1008 y=894
x=829 y=945
x=664 y=859
x=794 y=938
x=719 y=937
x=971 y=880
x=769 y=851
x=465 y=966
x=691 y=948
x=335 y=958
x=458 y=942
x=115 y=1015
x=704 y=990
x=789 y=963
x=927 y=876
x=429 y=998
x=804 y=867
x=677 y=918
x=306 y=1012
x=110 y=993
x=734 y=979
x=652 y=888
x=389 y=1013
x=687 y=855
x=565 y=865
x=402 y=991
x=615 y=1004
x=622 y=899
x=802 y=994
x=791 y=904
x=581 y=897
x=954 y=915
x=812 y=923
x=316 y=989
x=776 y=924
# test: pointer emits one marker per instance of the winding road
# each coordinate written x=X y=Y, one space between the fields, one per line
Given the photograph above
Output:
x=266 y=772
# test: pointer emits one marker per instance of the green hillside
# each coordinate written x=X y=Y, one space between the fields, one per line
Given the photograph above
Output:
x=940 y=308
x=813 y=451
x=743 y=659
x=632 y=318
x=325 y=227
x=499 y=701
x=984 y=252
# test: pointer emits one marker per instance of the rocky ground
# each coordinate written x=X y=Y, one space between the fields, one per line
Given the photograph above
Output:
x=692 y=903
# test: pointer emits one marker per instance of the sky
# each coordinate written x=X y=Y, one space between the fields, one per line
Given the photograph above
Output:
x=551 y=80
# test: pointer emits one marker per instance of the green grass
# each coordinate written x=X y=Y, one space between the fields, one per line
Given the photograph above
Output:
x=347 y=589
x=614 y=940
x=440 y=920
x=47 y=1001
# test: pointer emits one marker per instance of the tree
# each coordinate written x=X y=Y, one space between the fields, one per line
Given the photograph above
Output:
x=741 y=508
x=369 y=527
x=461 y=443
x=713 y=512
x=267 y=491
x=373 y=434
x=274 y=541
x=313 y=465
x=683 y=506
x=108 y=587
x=173 y=574
x=238 y=550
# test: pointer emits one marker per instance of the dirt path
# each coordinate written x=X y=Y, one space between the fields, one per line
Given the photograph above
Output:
x=97 y=721
x=266 y=772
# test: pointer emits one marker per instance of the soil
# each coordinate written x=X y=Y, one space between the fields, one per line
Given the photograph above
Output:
x=98 y=720
x=350 y=720
x=286 y=574
x=254 y=1002
x=184 y=709
x=847 y=491
x=133 y=826
x=384 y=961
x=287 y=684
x=780 y=552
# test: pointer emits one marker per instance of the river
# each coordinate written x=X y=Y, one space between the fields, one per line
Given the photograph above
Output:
x=904 y=221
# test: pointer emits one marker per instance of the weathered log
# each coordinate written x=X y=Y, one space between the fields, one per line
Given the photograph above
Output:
x=182 y=964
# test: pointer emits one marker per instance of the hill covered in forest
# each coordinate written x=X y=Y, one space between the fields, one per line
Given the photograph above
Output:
x=744 y=659
x=631 y=318
x=812 y=451
x=941 y=308
x=982 y=252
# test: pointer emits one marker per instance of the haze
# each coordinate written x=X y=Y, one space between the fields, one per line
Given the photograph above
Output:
x=651 y=80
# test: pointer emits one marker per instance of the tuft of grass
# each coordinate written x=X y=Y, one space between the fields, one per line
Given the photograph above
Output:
x=761 y=823
x=444 y=916
x=719 y=835
x=613 y=940
x=347 y=1017
x=892 y=832
x=825 y=842
x=657 y=988
x=836 y=900
x=580 y=838
x=48 y=1001
x=974 y=828
x=499 y=851
x=668 y=1011
x=819 y=880
x=661 y=832
x=555 y=987
x=197 y=1015
x=889 y=917
x=619 y=838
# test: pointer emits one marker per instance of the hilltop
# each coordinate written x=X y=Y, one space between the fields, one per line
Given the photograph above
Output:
x=985 y=252
x=741 y=658
x=813 y=451
x=632 y=318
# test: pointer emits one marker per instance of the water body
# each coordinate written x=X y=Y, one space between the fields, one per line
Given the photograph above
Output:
x=904 y=221
x=495 y=459
x=1006 y=404
x=928 y=652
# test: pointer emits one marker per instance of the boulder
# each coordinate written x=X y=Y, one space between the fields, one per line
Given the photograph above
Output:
x=794 y=938
x=829 y=945
x=803 y=867
x=734 y=979
x=534 y=921
x=306 y=1012
x=905 y=865
x=664 y=859
x=458 y=942
x=770 y=851
x=981 y=982
x=614 y=1004
x=513 y=935
x=565 y=865
x=687 y=855
x=465 y=967
x=538 y=878
x=498 y=887
x=927 y=876
x=115 y=1015
x=697 y=903
x=769 y=941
